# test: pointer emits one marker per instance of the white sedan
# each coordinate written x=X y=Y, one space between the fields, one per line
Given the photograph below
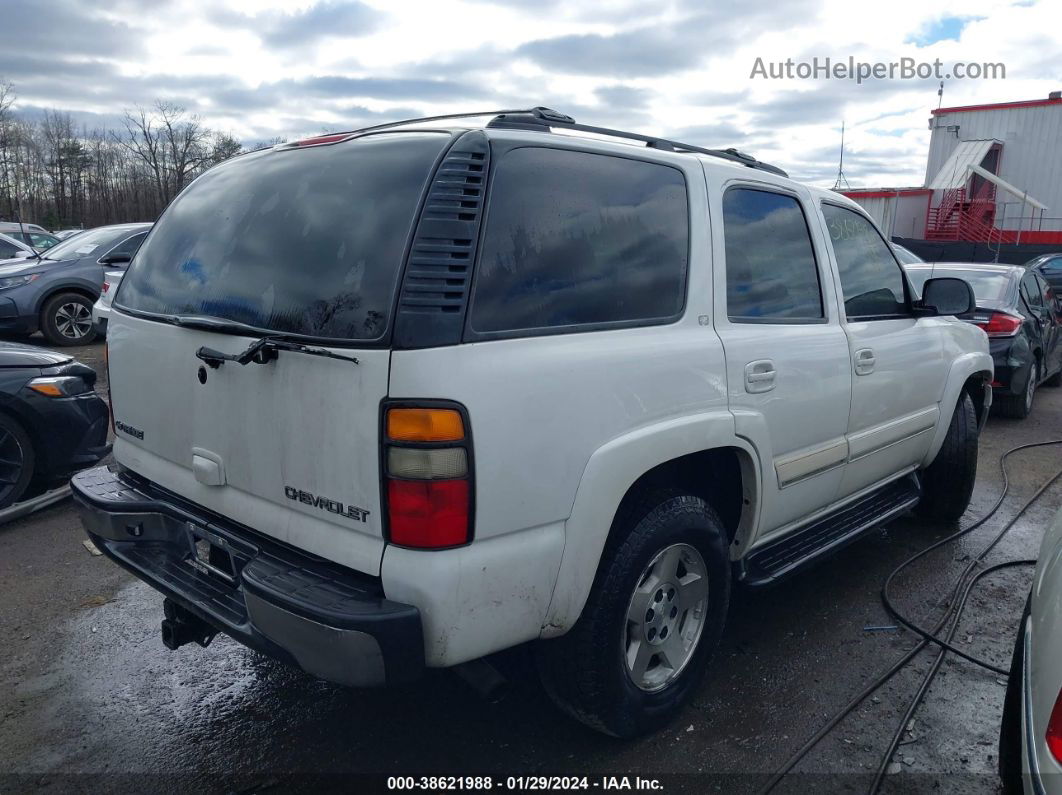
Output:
x=1030 y=741
x=101 y=310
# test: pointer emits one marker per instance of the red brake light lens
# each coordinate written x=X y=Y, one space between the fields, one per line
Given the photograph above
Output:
x=1000 y=324
x=1054 y=730
x=428 y=514
x=106 y=287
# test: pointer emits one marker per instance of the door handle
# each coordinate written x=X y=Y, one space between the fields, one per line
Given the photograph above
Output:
x=865 y=361
x=759 y=376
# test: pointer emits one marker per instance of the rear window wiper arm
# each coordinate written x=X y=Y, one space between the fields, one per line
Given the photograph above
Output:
x=264 y=350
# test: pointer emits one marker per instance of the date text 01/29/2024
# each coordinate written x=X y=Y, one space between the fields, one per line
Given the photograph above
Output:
x=526 y=783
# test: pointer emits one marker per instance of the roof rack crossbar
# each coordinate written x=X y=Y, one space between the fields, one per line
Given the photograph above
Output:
x=544 y=118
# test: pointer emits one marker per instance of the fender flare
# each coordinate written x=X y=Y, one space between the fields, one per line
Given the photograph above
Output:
x=67 y=285
x=962 y=368
x=610 y=472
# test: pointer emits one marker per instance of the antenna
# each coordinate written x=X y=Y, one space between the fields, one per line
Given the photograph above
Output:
x=840 y=165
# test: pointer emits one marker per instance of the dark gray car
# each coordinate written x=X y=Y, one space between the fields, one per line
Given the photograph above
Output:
x=55 y=291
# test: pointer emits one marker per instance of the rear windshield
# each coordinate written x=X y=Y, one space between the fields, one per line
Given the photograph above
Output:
x=299 y=241
x=987 y=286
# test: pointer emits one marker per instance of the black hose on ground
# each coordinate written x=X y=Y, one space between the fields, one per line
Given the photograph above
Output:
x=954 y=610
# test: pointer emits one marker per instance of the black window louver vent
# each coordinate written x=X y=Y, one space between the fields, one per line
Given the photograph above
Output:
x=435 y=285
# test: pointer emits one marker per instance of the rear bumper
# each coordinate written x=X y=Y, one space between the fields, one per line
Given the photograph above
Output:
x=330 y=621
x=101 y=313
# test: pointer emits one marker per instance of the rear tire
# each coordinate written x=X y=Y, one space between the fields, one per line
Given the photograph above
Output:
x=17 y=461
x=616 y=673
x=948 y=482
x=1018 y=406
x=66 y=319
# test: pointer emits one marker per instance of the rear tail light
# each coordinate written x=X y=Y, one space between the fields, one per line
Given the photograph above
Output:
x=106 y=287
x=428 y=481
x=1000 y=324
x=1054 y=730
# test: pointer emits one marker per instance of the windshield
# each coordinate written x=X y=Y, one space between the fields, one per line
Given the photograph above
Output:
x=987 y=285
x=298 y=241
x=94 y=241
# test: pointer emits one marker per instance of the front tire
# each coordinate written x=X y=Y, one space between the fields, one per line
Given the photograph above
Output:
x=652 y=620
x=66 y=319
x=947 y=483
x=17 y=461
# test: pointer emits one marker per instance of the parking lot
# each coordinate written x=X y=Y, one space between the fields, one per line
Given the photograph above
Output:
x=90 y=698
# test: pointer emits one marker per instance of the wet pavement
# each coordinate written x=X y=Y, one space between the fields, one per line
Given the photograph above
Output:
x=90 y=699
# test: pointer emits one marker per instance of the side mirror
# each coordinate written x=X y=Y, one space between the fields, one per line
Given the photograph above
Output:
x=115 y=259
x=948 y=296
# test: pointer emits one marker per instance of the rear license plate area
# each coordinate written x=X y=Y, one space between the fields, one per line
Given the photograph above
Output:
x=209 y=555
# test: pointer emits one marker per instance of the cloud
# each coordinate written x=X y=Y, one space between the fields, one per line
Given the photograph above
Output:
x=336 y=18
x=630 y=97
x=638 y=53
x=663 y=47
x=65 y=28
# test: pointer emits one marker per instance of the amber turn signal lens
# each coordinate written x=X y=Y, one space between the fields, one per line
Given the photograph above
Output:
x=424 y=425
x=49 y=389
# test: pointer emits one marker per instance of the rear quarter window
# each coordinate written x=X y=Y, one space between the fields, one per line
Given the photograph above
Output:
x=580 y=240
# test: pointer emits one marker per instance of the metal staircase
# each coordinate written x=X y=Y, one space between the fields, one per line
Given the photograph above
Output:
x=962 y=217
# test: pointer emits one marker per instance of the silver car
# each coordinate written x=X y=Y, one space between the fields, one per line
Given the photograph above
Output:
x=13 y=249
x=101 y=310
x=1030 y=741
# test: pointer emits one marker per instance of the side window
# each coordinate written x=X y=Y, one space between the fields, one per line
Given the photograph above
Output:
x=8 y=250
x=129 y=245
x=1030 y=291
x=871 y=280
x=771 y=272
x=574 y=239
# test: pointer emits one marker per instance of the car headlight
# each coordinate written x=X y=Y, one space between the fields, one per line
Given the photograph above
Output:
x=17 y=281
x=60 y=386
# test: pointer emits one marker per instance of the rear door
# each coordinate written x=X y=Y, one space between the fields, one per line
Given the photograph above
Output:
x=307 y=243
x=787 y=369
x=1041 y=301
x=896 y=359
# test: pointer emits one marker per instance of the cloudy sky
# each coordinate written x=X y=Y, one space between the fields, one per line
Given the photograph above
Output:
x=261 y=69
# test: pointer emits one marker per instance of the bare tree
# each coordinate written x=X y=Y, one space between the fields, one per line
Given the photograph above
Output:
x=57 y=174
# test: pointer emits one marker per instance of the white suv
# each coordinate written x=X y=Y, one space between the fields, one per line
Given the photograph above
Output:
x=408 y=396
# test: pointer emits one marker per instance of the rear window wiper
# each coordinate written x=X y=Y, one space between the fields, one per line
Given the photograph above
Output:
x=264 y=350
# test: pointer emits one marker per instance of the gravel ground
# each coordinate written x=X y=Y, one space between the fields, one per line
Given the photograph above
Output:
x=90 y=699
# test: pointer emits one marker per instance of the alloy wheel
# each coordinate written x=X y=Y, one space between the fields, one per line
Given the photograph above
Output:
x=665 y=617
x=73 y=320
x=1030 y=390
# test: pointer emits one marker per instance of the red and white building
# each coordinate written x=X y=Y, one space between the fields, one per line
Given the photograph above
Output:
x=994 y=174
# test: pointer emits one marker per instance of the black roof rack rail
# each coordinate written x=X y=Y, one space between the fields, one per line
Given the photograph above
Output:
x=539 y=118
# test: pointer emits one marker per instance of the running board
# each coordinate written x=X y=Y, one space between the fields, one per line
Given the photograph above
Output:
x=800 y=547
